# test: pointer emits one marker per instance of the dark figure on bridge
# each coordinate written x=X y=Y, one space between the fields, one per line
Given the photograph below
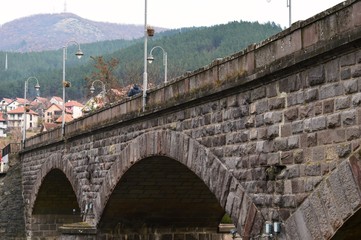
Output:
x=134 y=90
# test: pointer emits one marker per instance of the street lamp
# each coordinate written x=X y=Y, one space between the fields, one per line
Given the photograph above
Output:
x=92 y=88
x=151 y=58
x=37 y=87
x=65 y=83
x=145 y=74
x=289 y=11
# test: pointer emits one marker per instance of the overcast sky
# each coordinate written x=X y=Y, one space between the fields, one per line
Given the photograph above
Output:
x=170 y=13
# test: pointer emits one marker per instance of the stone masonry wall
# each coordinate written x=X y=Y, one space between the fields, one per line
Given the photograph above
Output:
x=280 y=139
x=12 y=223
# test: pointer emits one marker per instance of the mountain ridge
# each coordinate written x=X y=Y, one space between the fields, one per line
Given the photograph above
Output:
x=42 y=32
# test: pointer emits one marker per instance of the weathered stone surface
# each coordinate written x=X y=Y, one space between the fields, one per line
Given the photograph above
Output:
x=294 y=111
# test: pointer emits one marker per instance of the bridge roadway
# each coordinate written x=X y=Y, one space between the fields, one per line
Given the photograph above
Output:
x=269 y=134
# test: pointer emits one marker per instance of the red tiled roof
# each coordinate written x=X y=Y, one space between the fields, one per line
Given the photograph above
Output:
x=21 y=100
x=59 y=99
x=49 y=126
x=8 y=100
x=20 y=110
x=73 y=103
x=68 y=118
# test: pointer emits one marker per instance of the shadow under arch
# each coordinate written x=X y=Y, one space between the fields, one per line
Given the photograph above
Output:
x=198 y=159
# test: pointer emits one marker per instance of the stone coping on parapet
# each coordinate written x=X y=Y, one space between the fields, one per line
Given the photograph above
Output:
x=324 y=35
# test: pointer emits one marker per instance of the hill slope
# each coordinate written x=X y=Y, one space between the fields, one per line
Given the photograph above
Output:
x=187 y=50
x=51 y=31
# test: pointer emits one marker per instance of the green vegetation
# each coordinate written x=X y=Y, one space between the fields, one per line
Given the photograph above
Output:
x=226 y=219
x=188 y=49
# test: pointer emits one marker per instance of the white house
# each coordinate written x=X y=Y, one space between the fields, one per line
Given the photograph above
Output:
x=3 y=126
x=56 y=100
x=16 y=118
x=15 y=104
x=75 y=108
x=4 y=103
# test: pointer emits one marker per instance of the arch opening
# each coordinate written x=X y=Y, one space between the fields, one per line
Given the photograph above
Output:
x=159 y=194
x=350 y=229
x=56 y=204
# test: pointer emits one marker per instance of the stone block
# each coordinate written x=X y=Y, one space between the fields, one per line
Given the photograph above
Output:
x=356 y=99
x=331 y=90
x=313 y=169
x=273 y=131
x=353 y=133
x=328 y=106
x=271 y=90
x=348 y=118
x=286 y=158
x=311 y=220
x=318 y=153
x=334 y=120
x=316 y=75
x=276 y=103
x=325 y=194
x=286 y=130
x=291 y=114
x=280 y=144
x=348 y=60
x=332 y=71
x=292 y=229
x=293 y=142
x=349 y=185
x=338 y=193
x=325 y=227
x=258 y=93
x=346 y=74
x=311 y=95
x=272 y=117
x=318 y=123
x=309 y=35
x=350 y=86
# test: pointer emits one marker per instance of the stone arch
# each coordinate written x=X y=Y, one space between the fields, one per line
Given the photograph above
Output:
x=328 y=208
x=200 y=161
x=54 y=161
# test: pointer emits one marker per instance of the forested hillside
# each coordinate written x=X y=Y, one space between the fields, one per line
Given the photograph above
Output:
x=187 y=49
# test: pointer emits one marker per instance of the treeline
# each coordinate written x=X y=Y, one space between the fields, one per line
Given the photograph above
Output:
x=187 y=49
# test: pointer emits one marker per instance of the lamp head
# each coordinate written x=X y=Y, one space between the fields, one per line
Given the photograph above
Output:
x=92 y=89
x=37 y=88
x=79 y=54
x=150 y=58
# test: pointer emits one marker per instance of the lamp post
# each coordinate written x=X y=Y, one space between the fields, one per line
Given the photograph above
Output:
x=145 y=74
x=289 y=11
x=165 y=61
x=65 y=83
x=37 y=87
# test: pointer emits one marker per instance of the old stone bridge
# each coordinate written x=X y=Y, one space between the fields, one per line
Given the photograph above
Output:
x=269 y=135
